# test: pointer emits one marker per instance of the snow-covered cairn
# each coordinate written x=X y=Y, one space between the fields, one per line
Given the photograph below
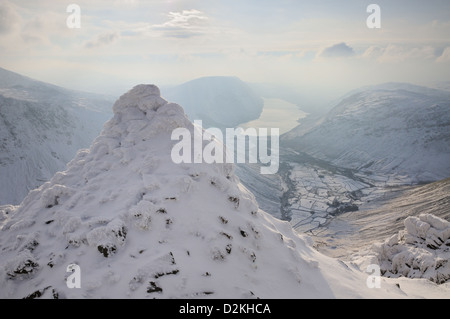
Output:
x=422 y=250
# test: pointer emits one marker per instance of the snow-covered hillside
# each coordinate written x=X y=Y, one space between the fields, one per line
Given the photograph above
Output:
x=42 y=126
x=391 y=129
x=353 y=233
x=218 y=101
x=140 y=226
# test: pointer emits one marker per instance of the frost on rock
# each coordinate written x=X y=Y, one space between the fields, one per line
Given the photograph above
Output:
x=22 y=266
x=52 y=196
x=422 y=250
x=6 y=211
x=144 y=97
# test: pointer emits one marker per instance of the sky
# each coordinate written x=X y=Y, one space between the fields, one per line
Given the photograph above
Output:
x=316 y=45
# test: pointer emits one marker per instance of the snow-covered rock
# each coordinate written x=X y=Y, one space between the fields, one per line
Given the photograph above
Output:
x=133 y=224
x=393 y=129
x=422 y=250
x=42 y=126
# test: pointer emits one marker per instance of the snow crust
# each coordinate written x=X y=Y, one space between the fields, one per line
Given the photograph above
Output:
x=140 y=226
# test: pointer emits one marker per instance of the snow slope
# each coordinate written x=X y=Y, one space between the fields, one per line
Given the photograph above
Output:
x=140 y=226
x=218 y=101
x=390 y=129
x=42 y=126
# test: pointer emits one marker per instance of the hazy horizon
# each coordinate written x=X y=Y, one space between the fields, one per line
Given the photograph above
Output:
x=323 y=48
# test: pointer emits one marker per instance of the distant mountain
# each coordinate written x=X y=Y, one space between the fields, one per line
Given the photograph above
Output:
x=42 y=126
x=218 y=101
x=306 y=100
x=137 y=225
x=394 y=128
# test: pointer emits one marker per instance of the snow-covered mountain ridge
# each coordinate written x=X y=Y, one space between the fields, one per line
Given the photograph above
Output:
x=391 y=129
x=140 y=226
x=42 y=126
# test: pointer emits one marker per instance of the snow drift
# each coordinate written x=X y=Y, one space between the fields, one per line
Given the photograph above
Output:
x=140 y=226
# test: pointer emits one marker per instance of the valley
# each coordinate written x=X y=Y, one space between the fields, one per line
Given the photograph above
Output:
x=343 y=210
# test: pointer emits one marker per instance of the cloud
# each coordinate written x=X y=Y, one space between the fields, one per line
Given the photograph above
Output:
x=337 y=51
x=398 y=53
x=8 y=18
x=445 y=56
x=373 y=52
x=184 y=24
x=126 y=3
x=102 y=40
